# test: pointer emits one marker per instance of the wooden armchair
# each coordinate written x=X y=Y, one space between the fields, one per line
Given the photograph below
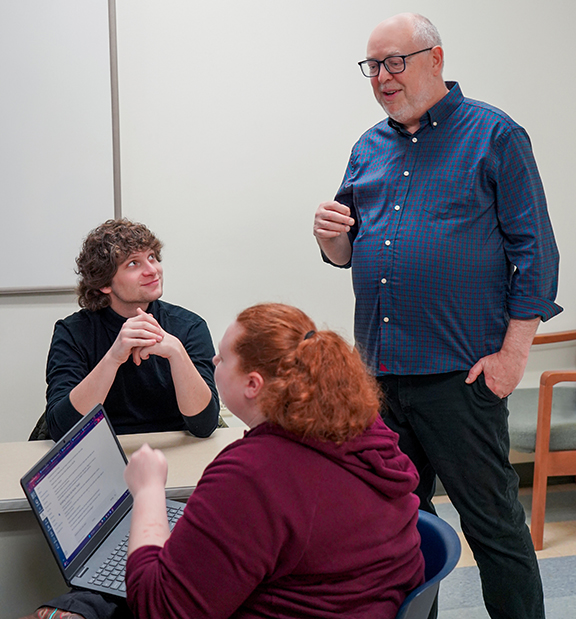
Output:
x=551 y=433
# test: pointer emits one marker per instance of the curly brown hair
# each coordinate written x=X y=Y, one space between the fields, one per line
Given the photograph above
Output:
x=103 y=250
x=315 y=383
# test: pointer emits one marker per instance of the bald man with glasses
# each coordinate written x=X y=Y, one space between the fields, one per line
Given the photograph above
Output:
x=442 y=217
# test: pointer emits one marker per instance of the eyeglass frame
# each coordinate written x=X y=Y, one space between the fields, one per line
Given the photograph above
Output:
x=383 y=62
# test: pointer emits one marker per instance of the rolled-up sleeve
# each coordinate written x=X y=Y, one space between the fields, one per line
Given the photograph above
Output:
x=526 y=228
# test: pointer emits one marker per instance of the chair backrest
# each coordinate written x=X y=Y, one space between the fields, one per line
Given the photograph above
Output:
x=441 y=548
x=40 y=431
x=523 y=419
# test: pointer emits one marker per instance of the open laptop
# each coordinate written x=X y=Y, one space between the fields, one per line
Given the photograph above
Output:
x=78 y=494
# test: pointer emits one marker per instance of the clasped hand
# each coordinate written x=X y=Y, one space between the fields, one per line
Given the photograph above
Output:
x=141 y=336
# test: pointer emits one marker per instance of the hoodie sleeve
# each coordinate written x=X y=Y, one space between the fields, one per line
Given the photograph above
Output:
x=232 y=532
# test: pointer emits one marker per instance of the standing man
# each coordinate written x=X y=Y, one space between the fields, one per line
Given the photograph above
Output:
x=148 y=362
x=443 y=219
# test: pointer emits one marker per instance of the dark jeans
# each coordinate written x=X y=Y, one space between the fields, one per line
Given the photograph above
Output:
x=460 y=433
x=92 y=605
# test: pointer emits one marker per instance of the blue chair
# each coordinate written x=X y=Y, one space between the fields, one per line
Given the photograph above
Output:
x=441 y=549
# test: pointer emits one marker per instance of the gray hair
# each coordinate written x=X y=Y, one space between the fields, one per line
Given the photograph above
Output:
x=425 y=32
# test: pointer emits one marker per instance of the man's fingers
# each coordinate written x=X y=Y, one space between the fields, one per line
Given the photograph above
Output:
x=148 y=317
x=330 y=228
x=331 y=220
x=136 y=356
x=142 y=332
x=142 y=321
x=337 y=207
x=474 y=372
x=334 y=212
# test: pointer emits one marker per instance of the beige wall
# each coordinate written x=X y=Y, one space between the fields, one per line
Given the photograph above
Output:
x=237 y=119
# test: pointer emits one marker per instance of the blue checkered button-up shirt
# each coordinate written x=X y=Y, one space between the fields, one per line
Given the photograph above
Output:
x=452 y=238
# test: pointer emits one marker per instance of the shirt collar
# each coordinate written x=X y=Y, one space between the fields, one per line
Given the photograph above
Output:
x=438 y=113
x=115 y=321
x=111 y=319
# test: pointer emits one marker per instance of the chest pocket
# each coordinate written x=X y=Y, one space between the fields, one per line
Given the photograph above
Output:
x=446 y=191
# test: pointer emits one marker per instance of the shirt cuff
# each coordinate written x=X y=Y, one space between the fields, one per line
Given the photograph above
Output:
x=61 y=417
x=205 y=422
x=526 y=308
x=340 y=266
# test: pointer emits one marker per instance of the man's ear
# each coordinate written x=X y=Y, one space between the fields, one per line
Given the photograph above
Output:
x=253 y=386
x=437 y=59
x=106 y=290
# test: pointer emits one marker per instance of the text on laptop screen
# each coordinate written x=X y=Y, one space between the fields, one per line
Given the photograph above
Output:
x=74 y=494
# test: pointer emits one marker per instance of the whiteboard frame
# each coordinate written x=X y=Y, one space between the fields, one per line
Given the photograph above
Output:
x=115 y=107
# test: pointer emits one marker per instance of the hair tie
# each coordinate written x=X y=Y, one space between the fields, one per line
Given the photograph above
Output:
x=309 y=335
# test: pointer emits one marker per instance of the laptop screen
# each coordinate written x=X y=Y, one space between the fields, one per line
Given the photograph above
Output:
x=78 y=490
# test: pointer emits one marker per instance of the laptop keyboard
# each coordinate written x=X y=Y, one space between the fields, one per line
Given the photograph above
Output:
x=112 y=572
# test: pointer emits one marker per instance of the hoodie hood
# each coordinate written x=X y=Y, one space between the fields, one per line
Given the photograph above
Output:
x=373 y=456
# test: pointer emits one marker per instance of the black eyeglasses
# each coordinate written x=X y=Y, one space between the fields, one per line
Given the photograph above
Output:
x=392 y=64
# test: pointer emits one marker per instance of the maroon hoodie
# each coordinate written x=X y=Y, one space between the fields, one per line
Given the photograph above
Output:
x=285 y=527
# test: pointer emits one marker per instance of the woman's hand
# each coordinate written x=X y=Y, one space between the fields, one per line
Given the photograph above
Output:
x=147 y=469
x=146 y=477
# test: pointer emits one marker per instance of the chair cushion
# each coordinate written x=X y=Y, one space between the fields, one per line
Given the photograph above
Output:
x=523 y=407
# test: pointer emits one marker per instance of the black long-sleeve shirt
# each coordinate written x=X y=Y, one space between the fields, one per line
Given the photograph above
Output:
x=142 y=398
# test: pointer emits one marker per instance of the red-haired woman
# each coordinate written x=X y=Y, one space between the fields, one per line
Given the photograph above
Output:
x=309 y=515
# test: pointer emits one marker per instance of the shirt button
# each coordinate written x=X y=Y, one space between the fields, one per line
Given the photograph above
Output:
x=383 y=280
x=397 y=207
x=386 y=242
x=406 y=173
x=386 y=319
x=414 y=140
x=434 y=124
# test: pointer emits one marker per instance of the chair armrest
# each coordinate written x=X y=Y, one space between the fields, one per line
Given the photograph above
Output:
x=553 y=377
x=547 y=381
x=553 y=338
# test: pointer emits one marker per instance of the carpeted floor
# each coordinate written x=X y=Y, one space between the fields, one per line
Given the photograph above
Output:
x=460 y=595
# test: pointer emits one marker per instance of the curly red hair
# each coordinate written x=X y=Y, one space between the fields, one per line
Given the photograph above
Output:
x=315 y=383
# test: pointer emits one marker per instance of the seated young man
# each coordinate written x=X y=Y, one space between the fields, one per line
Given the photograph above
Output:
x=148 y=362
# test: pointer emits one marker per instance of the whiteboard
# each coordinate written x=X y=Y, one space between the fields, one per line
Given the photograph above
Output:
x=238 y=119
x=56 y=150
